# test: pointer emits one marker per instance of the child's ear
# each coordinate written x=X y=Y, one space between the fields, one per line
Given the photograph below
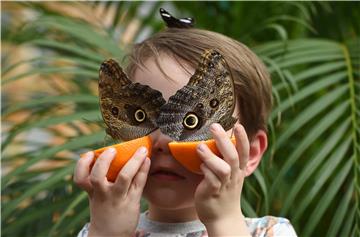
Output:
x=258 y=146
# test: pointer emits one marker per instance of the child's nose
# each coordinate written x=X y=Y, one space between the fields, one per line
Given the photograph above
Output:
x=160 y=142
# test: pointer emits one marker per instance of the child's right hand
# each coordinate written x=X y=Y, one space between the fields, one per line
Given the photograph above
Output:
x=114 y=207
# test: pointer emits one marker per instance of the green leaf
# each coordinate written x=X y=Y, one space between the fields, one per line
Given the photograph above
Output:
x=80 y=218
x=315 y=162
x=81 y=31
x=346 y=231
x=323 y=175
x=74 y=98
x=279 y=29
x=73 y=49
x=76 y=143
x=247 y=208
x=52 y=70
x=81 y=197
x=48 y=60
x=318 y=129
x=340 y=216
x=261 y=180
x=305 y=92
x=309 y=113
x=12 y=205
x=327 y=197
x=271 y=49
x=89 y=115
x=318 y=70
x=291 y=18
x=24 y=218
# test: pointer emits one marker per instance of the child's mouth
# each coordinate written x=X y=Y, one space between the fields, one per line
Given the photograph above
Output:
x=166 y=175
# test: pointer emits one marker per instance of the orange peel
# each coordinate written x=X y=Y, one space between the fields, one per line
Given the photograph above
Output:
x=186 y=153
x=124 y=151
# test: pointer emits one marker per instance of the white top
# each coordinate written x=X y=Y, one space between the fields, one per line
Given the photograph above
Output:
x=267 y=226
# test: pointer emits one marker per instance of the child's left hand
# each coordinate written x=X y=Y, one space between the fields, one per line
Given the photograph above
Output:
x=217 y=197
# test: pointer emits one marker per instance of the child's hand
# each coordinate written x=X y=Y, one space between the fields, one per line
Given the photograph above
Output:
x=114 y=207
x=217 y=197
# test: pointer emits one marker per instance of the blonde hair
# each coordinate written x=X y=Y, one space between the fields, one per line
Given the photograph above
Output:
x=252 y=81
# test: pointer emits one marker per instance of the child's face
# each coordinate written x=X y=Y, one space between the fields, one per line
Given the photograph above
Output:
x=162 y=190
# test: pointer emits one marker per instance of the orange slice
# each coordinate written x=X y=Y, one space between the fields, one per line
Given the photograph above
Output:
x=186 y=154
x=124 y=151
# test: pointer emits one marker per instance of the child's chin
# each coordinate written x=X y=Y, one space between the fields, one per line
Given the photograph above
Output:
x=168 y=198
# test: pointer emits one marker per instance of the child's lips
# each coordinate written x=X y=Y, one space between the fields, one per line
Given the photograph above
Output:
x=166 y=174
x=167 y=177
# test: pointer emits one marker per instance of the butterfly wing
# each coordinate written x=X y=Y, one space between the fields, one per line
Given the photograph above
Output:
x=207 y=98
x=173 y=22
x=129 y=109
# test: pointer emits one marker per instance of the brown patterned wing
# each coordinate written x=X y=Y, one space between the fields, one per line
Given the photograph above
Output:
x=207 y=98
x=129 y=109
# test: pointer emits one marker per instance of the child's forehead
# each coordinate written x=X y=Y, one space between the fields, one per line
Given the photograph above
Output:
x=155 y=75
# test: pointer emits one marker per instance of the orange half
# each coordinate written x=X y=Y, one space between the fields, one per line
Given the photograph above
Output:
x=186 y=153
x=124 y=151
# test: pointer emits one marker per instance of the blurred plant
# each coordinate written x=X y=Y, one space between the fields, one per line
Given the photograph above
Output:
x=311 y=172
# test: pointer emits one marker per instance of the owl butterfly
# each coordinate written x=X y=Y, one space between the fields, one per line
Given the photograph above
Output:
x=208 y=97
x=129 y=109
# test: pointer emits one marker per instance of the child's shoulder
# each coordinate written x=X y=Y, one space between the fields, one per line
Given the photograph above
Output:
x=263 y=226
x=266 y=220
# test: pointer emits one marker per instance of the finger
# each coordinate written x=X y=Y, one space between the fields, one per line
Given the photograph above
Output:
x=127 y=173
x=242 y=145
x=225 y=146
x=217 y=165
x=139 y=181
x=211 y=184
x=98 y=174
x=82 y=171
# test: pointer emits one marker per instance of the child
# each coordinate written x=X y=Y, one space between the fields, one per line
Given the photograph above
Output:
x=182 y=203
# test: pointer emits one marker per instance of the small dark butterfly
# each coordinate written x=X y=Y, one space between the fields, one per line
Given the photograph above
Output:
x=173 y=22
x=131 y=110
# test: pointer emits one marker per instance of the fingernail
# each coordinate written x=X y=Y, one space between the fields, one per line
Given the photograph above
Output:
x=201 y=147
x=238 y=129
x=142 y=150
x=111 y=150
x=86 y=155
x=215 y=127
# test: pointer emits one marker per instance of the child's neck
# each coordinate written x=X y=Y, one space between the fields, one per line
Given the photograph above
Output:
x=172 y=215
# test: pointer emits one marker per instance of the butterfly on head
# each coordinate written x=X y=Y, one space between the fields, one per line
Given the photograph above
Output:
x=173 y=22
x=131 y=110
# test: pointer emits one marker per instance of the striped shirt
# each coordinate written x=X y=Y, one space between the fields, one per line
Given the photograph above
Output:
x=267 y=226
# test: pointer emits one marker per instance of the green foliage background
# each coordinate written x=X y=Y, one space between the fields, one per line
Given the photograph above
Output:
x=311 y=172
